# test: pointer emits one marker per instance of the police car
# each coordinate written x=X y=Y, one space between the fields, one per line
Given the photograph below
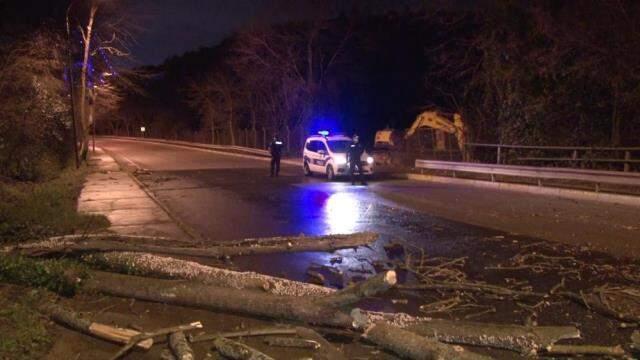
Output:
x=327 y=154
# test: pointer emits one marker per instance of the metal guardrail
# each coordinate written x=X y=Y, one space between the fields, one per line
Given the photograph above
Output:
x=540 y=173
x=573 y=155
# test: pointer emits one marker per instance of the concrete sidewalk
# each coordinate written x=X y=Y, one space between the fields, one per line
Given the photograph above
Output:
x=111 y=192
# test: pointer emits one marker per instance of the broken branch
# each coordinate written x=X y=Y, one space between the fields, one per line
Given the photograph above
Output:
x=71 y=319
x=352 y=294
x=412 y=346
x=111 y=242
x=180 y=346
x=616 y=351
x=237 y=351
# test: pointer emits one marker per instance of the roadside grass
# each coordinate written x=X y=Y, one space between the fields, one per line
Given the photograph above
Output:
x=23 y=333
x=31 y=211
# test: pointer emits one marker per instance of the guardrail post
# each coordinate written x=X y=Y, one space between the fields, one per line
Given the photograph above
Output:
x=627 y=156
x=499 y=154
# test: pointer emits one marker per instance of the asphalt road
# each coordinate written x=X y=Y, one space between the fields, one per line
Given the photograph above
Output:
x=225 y=197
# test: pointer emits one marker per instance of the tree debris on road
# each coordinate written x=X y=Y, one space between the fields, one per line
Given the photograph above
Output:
x=111 y=242
x=167 y=267
x=142 y=273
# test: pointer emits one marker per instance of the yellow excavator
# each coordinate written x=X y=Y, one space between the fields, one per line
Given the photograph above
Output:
x=429 y=119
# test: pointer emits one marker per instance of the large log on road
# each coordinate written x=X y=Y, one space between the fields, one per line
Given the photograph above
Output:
x=111 y=242
x=168 y=267
x=412 y=346
x=523 y=339
x=188 y=293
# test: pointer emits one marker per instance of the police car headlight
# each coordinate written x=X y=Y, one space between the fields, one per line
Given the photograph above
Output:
x=369 y=160
x=341 y=160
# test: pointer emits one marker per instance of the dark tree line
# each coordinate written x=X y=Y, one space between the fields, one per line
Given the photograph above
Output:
x=543 y=72
x=520 y=73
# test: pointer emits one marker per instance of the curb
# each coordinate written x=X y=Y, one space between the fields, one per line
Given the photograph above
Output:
x=531 y=189
x=194 y=235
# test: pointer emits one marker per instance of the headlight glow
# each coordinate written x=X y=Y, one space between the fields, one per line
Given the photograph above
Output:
x=341 y=160
x=369 y=160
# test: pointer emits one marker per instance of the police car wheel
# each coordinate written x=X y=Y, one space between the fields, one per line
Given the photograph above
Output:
x=307 y=171
x=330 y=174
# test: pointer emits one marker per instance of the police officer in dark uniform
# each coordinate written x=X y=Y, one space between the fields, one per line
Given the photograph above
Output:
x=275 y=148
x=354 y=154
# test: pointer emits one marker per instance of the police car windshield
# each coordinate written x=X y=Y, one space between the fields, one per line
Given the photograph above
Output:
x=339 y=146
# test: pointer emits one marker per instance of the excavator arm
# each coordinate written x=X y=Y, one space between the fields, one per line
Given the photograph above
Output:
x=432 y=119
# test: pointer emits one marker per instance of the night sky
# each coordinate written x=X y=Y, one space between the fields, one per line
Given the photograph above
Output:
x=172 y=27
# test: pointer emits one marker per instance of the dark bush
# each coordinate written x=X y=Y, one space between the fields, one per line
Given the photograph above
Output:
x=34 y=113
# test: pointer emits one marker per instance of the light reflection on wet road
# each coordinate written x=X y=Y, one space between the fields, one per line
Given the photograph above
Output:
x=226 y=198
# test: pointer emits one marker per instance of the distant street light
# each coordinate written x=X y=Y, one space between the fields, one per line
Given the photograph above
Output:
x=142 y=130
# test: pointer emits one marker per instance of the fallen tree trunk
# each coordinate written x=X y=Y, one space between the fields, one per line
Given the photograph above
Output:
x=412 y=346
x=199 y=295
x=71 y=320
x=518 y=338
x=109 y=243
x=167 y=267
x=523 y=339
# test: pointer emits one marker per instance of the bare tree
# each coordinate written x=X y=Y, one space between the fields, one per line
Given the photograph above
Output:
x=216 y=95
x=104 y=33
x=291 y=64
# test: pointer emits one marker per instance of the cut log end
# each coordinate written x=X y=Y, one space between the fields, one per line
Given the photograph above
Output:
x=391 y=278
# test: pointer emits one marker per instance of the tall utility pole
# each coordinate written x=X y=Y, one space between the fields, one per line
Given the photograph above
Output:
x=70 y=81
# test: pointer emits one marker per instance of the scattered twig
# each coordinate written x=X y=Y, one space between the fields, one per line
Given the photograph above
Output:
x=150 y=335
x=292 y=342
x=247 y=333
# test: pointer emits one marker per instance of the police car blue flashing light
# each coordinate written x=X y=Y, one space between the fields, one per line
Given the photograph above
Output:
x=323 y=132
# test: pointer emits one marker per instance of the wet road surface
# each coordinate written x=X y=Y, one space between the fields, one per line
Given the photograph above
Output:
x=226 y=198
